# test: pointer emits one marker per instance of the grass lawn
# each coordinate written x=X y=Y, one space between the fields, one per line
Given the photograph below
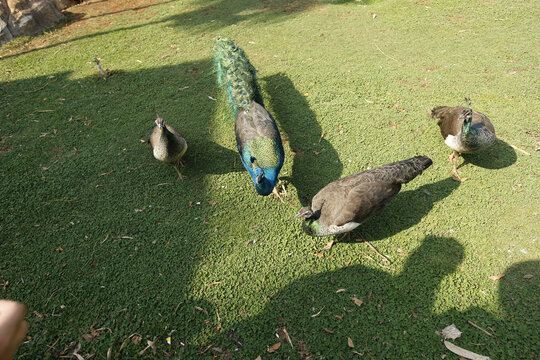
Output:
x=113 y=254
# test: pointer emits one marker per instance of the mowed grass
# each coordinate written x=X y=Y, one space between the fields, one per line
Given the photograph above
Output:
x=109 y=250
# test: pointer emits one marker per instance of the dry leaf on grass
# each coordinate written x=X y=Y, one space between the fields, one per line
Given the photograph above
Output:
x=136 y=339
x=258 y=357
x=328 y=330
x=319 y=255
x=528 y=276
x=350 y=343
x=496 y=277
x=451 y=332
x=340 y=290
x=463 y=352
x=357 y=301
x=274 y=347
x=201 y=309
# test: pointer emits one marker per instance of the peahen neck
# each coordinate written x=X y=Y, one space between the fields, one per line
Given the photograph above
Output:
x=476 y=136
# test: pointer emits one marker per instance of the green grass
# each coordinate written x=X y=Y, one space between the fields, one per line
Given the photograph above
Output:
x=76 y=248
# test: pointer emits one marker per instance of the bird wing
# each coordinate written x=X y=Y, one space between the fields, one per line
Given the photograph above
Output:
x=361 y=202
x=479 y=118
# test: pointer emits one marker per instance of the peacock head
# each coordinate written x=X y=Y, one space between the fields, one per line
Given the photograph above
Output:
x=263 y=186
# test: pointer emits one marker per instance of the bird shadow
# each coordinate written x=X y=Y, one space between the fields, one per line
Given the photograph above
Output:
x=202 y=152
x=498 y=156
x=404 y=211
x=315 y=161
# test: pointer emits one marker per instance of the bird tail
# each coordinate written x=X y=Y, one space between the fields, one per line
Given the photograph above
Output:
x=438 y=111
x=402 y=172
x=235 y=74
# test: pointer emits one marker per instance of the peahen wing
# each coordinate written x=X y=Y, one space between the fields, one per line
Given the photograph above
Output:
x=362 y=202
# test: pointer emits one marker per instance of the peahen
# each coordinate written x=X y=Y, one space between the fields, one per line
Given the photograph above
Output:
x=167 y=144
x=464 y=131
x=257 y=136
x=344 y=204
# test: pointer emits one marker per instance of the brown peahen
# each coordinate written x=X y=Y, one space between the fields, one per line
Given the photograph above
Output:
x=464 y=131
x=344 y=204
x=167 y=144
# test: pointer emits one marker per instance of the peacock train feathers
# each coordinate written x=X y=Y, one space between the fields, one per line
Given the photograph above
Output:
x=257 y=136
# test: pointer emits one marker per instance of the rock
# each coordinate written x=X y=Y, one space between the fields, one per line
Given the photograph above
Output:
x=29 y=17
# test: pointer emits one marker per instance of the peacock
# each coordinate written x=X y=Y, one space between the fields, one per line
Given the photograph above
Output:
x=167 y=144
x=257 y=136
x=344 y=204
x=464 y=131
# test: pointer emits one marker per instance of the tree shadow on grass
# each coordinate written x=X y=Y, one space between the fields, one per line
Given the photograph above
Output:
x=498 y=156
x=108 y=230
x=397 y=319
x=299 y=125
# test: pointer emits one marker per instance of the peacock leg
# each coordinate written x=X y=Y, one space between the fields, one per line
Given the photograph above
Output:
x=178 y=171
x=276 y=194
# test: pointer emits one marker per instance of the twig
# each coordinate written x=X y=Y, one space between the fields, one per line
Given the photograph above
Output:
x=317 y=314
x=288 y=337
x=514 y=147
x=41 y=88
x=479 y=328
x=378 y=253
x=382 y=52
x=53 y=293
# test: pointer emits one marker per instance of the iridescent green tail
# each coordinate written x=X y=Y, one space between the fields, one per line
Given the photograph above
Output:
x=235 y=74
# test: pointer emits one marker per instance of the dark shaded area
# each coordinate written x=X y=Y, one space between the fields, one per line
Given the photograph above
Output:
x=405 y=210
x=299 y=125
x=498 y=156
x=107 y=227
x=397 y=319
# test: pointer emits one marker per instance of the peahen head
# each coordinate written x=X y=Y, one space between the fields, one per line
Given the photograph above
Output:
x=467 y=120
x=305 y=212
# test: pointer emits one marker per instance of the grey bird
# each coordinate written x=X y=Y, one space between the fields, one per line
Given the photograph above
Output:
x=167 y=144
x=344 y=204
x=464 y=131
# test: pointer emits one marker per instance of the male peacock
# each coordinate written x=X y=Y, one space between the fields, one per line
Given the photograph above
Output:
x=257 y=136
x=464 y=131
x=344 y=204
x=167 y=144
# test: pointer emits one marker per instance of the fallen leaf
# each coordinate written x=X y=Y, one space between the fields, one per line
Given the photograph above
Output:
x=319 y=255
x=528 y=276
x=463 y=352
x=340 y=290
x=496 y=277
x=274 y=347
x=136 y=339
x=201 y=309
x=328 y=330
x=357 y=301
x=347 y=262
x=258 y=357
x=316 y=152
x=451 y=332
x=59 y=249
x=350 y=343
x=340 y=317
x=392 y=125
x=212 y=202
